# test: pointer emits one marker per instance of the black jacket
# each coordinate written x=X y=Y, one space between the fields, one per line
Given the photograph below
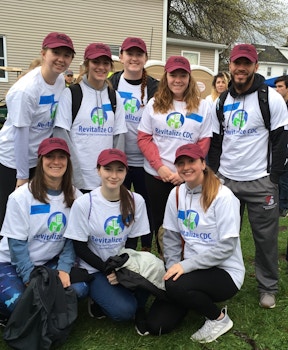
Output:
x=44 y=314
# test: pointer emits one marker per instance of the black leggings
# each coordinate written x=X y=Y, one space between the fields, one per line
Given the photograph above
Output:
x=158 y=192
x=197 y=290
x=200 y=289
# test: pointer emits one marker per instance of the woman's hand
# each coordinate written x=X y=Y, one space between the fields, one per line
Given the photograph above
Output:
x=65 y=278
x=112 y=278
x=175 y=270
x=168 y=176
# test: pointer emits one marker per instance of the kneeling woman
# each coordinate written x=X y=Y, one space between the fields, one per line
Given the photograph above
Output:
x=206 y=218
x=102 y=223
x=36 y=219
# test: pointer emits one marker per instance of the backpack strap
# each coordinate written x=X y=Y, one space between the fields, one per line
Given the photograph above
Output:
x=77 y=95
x=112 y=98
x=264 y=105
x=220 y=110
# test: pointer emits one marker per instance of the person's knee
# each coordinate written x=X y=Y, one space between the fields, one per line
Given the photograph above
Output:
x=122 y=311
x=81 y=289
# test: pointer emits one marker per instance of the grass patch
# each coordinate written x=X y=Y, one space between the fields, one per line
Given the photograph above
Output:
x=254 y=328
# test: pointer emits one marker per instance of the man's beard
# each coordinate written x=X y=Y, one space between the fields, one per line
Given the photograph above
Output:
x=242 y=86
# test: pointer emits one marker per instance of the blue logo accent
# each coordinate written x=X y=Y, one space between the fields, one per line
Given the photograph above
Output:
x=231 y=107
x=190 y=218
x=175 y=120
x=46 y=100
x=114 y=226
x=99 y=116
x=198 y=118
x=40 y=209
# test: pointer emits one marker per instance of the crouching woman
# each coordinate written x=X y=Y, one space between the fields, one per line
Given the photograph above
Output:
x=206 y=218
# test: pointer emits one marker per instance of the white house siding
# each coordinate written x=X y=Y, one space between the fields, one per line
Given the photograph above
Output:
x=207 y=57
x=26 y=22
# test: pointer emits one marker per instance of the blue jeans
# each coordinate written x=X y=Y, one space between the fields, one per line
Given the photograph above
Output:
x=117 y=302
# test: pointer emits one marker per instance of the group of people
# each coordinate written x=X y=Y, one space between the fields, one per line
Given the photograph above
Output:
x=70 y=158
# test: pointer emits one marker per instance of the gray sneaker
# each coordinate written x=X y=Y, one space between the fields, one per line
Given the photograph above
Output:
x=267 y=300
x=212 y=329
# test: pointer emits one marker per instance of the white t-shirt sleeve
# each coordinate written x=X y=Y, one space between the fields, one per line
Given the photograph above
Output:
x=120 y=123
x=145 y=124
x=63 y=118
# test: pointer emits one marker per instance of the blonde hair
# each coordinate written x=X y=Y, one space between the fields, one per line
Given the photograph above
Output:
x=164 y=96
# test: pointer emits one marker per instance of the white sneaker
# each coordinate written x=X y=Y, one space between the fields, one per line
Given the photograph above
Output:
x=212 y=329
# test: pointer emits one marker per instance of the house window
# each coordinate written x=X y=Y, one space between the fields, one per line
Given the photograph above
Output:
x=284 y=71
x=269 y=69
x=3 y=61
x=192 y=57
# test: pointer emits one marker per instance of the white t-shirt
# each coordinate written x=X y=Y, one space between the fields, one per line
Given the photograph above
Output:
x=202 y=230
x=31 y=103
x=245 y=142
x=174 y=129
x=99 y=222
x=42 y=225
x=93 y=128
x=131 y=97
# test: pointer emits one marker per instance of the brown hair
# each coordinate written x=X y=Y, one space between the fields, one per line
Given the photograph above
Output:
x=164 y=97
x=210 y=188
x=39 y=188
x=224 y=76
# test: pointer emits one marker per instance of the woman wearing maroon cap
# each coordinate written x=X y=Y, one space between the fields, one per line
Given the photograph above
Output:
x=175 y=116
x=103 y=222
x=97 y=124
x=201 y=249
x=32 y=102
x=135 y=88
x=34 y=236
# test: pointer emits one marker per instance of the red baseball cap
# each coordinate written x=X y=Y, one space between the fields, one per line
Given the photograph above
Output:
x=177 y=62
x=133 y=42
x=244 y=50
x=96 y=50
x=110 y=155
x=191 y=150
x=55 y=39
x=52 y=144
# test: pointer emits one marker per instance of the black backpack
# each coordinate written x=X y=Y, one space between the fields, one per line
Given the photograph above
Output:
x=44 y=314
x=77 y=95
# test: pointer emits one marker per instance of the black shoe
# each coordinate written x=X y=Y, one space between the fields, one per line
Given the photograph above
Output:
x=94 y=310
x=140 y=322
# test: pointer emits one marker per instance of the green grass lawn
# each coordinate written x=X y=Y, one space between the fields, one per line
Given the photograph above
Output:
x=254 y=328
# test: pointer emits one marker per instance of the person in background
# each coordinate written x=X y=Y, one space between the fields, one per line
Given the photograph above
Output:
x=174 y=116
x=31 y=103
x=281 y=84
x=135 y=88
x=102 y=223
x=244 y=164
x=219 y=84
x=69 y=77
x=96 y=126
x=34 y=236
x=212 y=269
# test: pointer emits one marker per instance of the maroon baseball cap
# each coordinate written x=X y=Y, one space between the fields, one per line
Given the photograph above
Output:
x=191 y=150
x=177 y=62
x=111 y=155
x=52 y=144
x=55 y=39
x=96 y=50
x=244 y=50
x=133 y=42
